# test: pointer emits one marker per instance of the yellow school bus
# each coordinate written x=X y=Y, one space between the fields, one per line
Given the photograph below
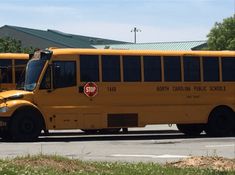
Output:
x=12 y=68
x=96 y=90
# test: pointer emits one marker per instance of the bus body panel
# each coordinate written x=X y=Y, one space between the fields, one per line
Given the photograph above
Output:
x=143 y=102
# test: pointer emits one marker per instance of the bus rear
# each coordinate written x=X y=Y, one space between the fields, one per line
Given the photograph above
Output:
x=12 y=70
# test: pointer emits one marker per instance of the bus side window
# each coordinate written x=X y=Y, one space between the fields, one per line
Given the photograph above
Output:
x=64 y=74
x=172 y=68
x=211 y=68
x=20 y=66
x=89 y=68
x=6 y=71
x=3 y=75
x=192 y=68
x=131 y=68
x=228 y=68
x=46 y=81
x=111 y=68
x=152 y=68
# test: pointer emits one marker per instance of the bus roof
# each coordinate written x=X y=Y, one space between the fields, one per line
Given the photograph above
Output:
x=74 y=51
x=14 y=56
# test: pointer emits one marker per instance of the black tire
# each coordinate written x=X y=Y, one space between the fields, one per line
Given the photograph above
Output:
x=191 y=129
x=5 y=135
x=26 y=125
x=221 y=122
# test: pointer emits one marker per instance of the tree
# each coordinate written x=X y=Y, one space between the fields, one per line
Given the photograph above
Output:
x=222 y=35
x=11 y=45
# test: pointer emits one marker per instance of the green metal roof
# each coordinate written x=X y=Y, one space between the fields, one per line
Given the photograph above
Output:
x=78 y=41
x=181 y=45
x=65 y=39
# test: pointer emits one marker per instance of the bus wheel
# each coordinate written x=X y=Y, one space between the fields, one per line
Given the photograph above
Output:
x=221 y=122
x=191 y=129
x=26 y=125
x=5 y=135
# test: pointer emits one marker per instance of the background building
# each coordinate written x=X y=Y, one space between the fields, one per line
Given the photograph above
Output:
x=182 y=45
x=54 y=38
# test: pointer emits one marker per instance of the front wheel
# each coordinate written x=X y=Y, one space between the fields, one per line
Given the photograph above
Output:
x=191 y=129
x=25 y=126
x=5 y=135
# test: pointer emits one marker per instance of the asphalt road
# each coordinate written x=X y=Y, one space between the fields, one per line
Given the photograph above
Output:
x=157 y=143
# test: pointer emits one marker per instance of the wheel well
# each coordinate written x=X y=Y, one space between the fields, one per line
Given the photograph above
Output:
x=219 y=108
x=32 y=109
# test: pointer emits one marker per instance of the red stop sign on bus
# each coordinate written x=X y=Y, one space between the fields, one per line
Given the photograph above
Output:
x=90 y=89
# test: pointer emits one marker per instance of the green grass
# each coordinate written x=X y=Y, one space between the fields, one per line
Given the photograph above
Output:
x=50 y=165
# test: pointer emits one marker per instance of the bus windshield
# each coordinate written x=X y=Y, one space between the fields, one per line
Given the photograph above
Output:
x=33 y=71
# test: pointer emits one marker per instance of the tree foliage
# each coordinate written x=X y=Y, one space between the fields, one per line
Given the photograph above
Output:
x=11 y=45
x=222 y=35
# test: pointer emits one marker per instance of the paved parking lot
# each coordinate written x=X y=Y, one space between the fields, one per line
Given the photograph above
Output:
x=158 y=143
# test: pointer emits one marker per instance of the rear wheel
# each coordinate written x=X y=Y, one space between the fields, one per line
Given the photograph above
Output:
x=221 y=122
x=191 y=129
x=26 y=125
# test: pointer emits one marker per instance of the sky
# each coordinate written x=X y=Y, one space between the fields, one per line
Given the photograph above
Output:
x=158 y=20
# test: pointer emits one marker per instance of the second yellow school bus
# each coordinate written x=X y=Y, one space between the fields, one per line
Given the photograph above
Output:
x=12 y=69
x=97 y=90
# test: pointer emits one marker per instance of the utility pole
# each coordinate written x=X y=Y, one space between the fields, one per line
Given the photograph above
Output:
x=135 y=30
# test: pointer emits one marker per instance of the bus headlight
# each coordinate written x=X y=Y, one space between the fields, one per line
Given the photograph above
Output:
x=3 y=109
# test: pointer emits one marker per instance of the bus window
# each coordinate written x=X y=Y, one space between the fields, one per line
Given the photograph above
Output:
x=228 y=68
x=211 y=68
x=46 y=81
x=111 y=68
x=192 y=68
x=64 y=74
x=6 y=71
x=131 y=68
x=152 y=68
x=20 y=66
x=89 y=68
x=172 y=68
